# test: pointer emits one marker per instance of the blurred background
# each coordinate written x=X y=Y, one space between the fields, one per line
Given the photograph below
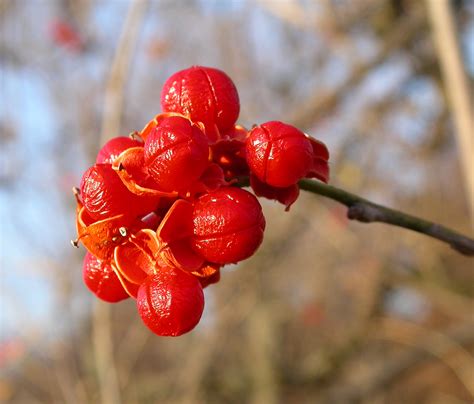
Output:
x=328 y=310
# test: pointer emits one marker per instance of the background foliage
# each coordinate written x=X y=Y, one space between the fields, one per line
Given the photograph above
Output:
x=327 y=310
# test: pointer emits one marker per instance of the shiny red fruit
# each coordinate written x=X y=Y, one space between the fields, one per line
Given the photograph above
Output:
x=101 y=280
x=228 y=225
x=104 y=194
x=204 y=94
x=170 y=302
x=278 y=154
x=111 y=150
x=176 y=153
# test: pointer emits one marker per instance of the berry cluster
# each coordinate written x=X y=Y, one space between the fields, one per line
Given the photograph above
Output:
x=161 y=212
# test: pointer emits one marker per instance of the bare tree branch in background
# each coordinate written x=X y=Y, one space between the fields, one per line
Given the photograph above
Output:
x=460 y=360
x=114 y=92
x=391 y=370
x=457 y=87
x=318 y=106
x=111 y=121
x=303 y=320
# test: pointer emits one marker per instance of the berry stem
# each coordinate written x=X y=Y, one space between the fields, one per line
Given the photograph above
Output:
x=365 y=211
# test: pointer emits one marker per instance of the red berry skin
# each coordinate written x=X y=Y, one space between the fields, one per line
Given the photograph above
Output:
x=278 y=154
x=111 y=150
x=101 y=280
x=204 y=94
x=104 y=194
x=170 y=302
x=228 y=225
x=176 y=153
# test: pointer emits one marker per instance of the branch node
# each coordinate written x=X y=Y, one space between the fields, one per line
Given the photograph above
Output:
x=363 y=212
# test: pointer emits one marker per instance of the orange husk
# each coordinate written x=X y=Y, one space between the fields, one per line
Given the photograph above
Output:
x=229 y=153
x=211 y=179
x=210 y=279
x=130 y=167
x=158 y=118
x=287 y=196
x=320 y=166
x=207 y=270
x=237 y=133
x=130 y=288
x=100 y=237
x=139 y=256
x=175 y=232
x=177 y=223
x=180 y=254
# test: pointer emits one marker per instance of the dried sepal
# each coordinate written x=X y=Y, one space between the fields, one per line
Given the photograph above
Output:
x=287 y=196
x=320 y=167
x=229 y=153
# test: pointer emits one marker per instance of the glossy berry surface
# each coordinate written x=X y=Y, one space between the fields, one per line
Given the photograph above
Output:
x=111 y=150
x=204 y=94
x=278 y=154
x=104 y=194
x=228 y=225
x=170 y=302
x=101 y=280
x=176 y=153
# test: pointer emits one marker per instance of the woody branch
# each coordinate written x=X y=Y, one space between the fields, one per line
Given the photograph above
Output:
x=365 y=211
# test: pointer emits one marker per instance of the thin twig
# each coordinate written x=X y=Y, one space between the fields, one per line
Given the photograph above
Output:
x=365 y=211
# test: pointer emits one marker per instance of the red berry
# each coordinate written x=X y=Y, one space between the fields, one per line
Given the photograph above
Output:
x=176 y=153
x=204 y=94
x=111 y=150
x=228 y=225
x=170 y=302
x=278 y=154
x=104 y=194
x=101 y=280
x=64 y=34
